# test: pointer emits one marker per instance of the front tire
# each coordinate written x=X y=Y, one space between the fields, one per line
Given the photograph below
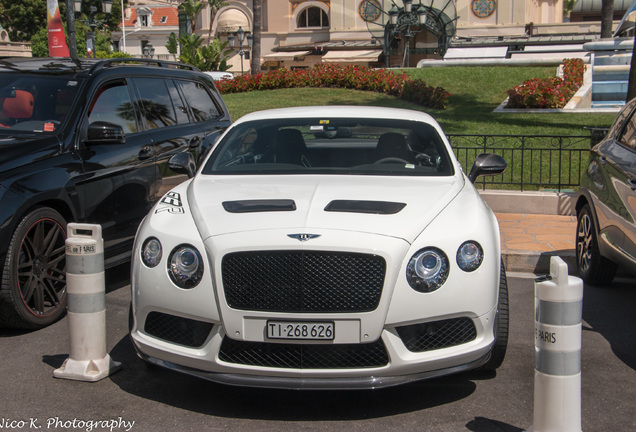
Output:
x=592 y=267
x=498 y=352
x=33 y=290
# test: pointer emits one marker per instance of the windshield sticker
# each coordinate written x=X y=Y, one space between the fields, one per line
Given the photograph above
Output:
x=323 y=122
x=171 y=203
x=49 y=127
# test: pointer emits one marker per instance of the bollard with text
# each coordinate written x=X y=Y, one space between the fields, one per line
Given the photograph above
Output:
x=86 y=292
x=557 y=336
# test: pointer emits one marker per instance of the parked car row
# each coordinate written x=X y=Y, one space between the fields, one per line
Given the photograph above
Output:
x=317 y=247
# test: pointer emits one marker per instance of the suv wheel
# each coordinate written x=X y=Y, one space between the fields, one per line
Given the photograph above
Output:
x=592 y=267
x=33 y=292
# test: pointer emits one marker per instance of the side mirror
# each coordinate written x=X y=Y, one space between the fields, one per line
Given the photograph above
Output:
x=183 y=163
x=105 y=133
x=487 y=164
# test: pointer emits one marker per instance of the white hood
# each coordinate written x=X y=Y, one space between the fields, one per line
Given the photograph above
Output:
x=424 y=199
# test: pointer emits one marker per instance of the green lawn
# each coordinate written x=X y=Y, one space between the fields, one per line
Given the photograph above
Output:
x=475 y=93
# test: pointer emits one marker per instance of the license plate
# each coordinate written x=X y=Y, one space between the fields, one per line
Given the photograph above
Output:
x=300 y=330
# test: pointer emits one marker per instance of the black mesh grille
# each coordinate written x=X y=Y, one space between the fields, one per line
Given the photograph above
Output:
x=438 y=334
x=303 y=281
x=296 y=356
x=176 y=329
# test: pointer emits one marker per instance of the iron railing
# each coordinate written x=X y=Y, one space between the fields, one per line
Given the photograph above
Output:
x=534 y=161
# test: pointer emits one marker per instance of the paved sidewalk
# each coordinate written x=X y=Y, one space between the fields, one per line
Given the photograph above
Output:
x=529 y=240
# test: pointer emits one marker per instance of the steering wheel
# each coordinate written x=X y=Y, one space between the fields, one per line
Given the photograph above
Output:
x=391 y=159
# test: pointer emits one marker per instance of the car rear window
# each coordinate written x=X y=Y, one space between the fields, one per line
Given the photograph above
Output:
x=31 y=103
x=331 y=146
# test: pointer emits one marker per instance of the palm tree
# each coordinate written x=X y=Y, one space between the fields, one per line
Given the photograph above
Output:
x=256 y=37
x=215 y=5
x=192 y=8
x=607 y=16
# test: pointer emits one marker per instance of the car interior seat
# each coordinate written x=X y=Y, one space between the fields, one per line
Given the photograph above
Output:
x=290 y=147
x=17 y=108
x=392 y=145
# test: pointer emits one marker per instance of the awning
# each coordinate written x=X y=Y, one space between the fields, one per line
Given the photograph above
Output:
x=231 y=20
x=351 y=56
x=282 y=56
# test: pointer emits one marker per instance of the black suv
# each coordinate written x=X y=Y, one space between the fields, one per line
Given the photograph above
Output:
x=94 y=141
x=606 y=207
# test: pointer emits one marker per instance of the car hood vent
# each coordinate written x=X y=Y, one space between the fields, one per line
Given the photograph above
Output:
x=255 y=206
x=372 y=207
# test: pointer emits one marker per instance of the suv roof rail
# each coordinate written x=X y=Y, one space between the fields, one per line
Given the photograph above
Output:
x=149 y=62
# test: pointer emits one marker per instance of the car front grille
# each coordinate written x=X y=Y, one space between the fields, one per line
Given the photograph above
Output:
x=304 y=356
x=438 y=334
x=183 y=331
x=303 y=281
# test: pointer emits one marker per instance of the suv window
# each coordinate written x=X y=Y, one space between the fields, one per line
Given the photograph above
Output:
x=157 y=106
x=113 y=105
x=202 y=104
x=35 y=103
x=180 y=107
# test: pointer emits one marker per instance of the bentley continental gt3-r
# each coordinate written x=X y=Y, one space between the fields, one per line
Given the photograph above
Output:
x=323 y=248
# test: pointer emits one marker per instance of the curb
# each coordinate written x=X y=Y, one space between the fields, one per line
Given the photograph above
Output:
x=535 y=262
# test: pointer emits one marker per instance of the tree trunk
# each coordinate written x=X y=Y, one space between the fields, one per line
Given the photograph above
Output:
x=607 y=18
x=256 y=41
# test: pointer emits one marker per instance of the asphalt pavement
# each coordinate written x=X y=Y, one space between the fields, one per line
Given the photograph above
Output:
x=140 y=397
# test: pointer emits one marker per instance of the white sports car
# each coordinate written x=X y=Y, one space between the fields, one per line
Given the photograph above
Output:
x=324 y=248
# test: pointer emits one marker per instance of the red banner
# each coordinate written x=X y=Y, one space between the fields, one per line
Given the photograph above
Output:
x=57 y=40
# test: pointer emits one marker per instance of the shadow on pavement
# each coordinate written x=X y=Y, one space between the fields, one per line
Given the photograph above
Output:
x=481 y=424
x=198 y=395
x=609 y=311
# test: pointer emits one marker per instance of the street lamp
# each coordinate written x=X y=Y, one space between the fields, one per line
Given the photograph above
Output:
x=107 y=7
x=388 y=22
x=149 y=50
x=240 y=35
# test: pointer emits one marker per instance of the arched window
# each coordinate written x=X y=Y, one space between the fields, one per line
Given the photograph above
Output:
x=313 y=16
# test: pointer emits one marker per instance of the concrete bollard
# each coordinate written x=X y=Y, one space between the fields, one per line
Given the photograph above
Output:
x=86 y=292
x=557 y=328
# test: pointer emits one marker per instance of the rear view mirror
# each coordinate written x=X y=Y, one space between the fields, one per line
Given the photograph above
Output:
x=487 y=164
x=183 y=163
x=105 y=133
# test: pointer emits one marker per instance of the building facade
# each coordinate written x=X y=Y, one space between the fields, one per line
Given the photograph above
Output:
x=301 y=33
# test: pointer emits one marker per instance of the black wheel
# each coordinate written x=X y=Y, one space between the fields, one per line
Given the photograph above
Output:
x=592 y=267
x=500 y=347
x=33 y=292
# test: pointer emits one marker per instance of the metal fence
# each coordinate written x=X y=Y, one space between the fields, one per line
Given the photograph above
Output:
x=534 y=161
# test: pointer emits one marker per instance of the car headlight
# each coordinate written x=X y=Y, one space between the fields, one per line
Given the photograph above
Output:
x=470 y=256
x=427 y=270
x=185 y=266
x=151 y=252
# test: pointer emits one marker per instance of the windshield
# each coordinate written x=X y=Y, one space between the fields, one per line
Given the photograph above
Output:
x=35 y=103
x=331 y=146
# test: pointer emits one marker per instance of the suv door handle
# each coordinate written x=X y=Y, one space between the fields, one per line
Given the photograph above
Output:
x=145 y=153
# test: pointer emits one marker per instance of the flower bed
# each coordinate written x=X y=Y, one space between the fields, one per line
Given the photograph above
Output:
x=549 y=92
x=353 y=77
